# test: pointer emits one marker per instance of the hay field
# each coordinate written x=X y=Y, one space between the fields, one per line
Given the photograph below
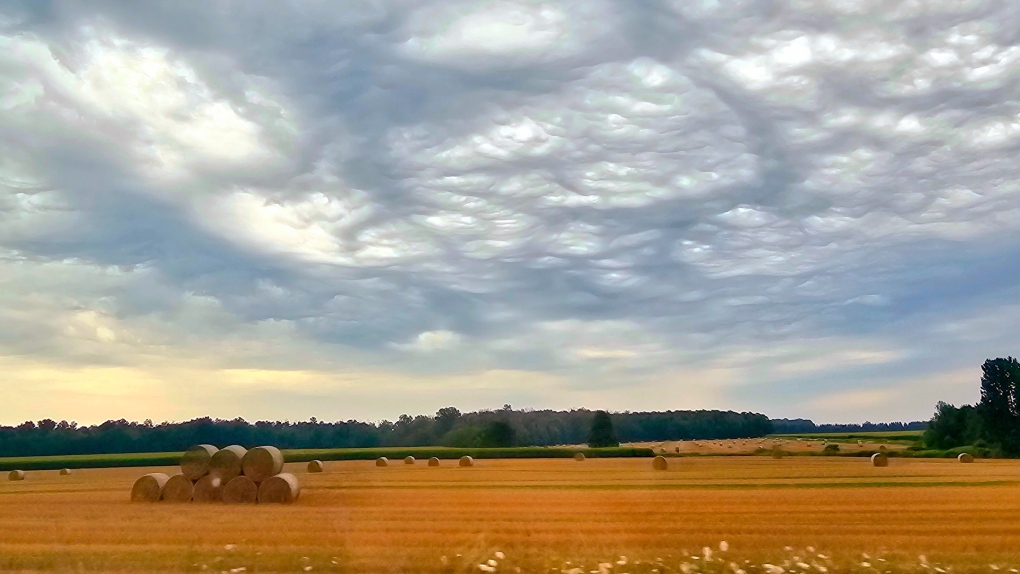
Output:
x=788 y=444
x=356 y=517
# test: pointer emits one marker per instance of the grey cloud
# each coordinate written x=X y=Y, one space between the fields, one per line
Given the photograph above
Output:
x=689 y=177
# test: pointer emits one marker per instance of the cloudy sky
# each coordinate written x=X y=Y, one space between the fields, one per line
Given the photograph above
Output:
x=280 y=210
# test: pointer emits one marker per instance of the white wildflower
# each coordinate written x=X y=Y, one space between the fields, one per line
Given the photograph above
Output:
x=803 y=566
x=822 y=557
x=866 y=564
x=993 y=566
x=307 y=568
x=486 y=568
x=724 y=546
x=621 y=561
x=491 y=562
x=500 y=555
x=707 y=552
x=230 y=547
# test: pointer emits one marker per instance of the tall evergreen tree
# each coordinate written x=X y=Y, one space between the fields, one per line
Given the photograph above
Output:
x=602 y=433
x=1000 y=403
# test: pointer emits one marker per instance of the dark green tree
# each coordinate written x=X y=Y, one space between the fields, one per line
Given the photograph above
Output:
x=497 y=434
x=602 y=434
x=951 y=426
x=999 y=408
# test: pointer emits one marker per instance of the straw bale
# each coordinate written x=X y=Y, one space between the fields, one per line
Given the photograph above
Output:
x=382 y=461
x=660 y=463
x=408 y=460
x=579 y=457
x=315 y=466
x=433 y=461
x=241 y=490
x=965 y=457
x=209 y=488
x=65 y=472
x=880 y=459
x=467 y=461
x=280 y=489
x=178 y=489
x=16 y=475
x=149 y=488
x=226 y=463
x=195 y=462
x=262 y=462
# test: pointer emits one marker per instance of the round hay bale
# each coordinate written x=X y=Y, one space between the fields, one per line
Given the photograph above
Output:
x=880 y=459
x=433 y=461
x=195 y=462
x=965 y=457
x=408 y=460
x=579 y=457
x=660 y=463
x=65 y=472
x=178 y=489
x=16 y=475
x=262 y=462
x=226 y=463
x=382 y=461
x=882 y=448
x=209 y=488
x=315 y=466
x=241 y=490
x=149 y=488
x=280 y=489
x=467 y=461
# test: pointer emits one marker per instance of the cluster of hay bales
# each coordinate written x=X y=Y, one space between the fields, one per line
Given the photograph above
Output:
x=232 y=475
x=433 y=461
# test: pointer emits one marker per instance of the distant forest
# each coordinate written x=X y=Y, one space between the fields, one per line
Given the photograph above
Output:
x=448 y=427
x=798 y=426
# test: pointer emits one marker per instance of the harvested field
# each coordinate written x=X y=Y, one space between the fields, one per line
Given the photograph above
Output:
x=538 y=512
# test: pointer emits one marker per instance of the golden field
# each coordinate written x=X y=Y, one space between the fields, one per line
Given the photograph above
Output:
x=541 y=514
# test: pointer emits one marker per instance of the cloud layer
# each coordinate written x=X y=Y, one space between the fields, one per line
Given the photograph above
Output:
x=283 y=210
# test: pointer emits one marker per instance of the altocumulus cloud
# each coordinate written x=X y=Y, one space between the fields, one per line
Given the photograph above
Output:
x=287 y=209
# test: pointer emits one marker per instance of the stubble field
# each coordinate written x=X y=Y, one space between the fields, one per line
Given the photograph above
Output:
x=542 y=515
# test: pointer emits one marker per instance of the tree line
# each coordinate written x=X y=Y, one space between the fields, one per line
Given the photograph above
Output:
x=993 y=423
x=806 y=426
x=448 y=427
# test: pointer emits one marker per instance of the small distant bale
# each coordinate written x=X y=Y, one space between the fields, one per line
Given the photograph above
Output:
x=195 y=462
x=408 y=460
x=149 y=488
x=315 y=466
x=280 y=489
x=882 y=448
x=262 y=462
x=579 y=457
x=777 y=453
x=467 y=461
x=65 y=472
x=226 y=463
x=678 y=450
x=659 y=463
x=965 y=457
x=209 y=488
x=16 y=475
x=860 y=443
x=241 y=490
x=382 y=461
x=434 y=461
x=178 y=489
x=880 y=459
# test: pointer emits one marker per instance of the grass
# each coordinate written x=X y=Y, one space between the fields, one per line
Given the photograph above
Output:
x=542 y=515
x=305 y=455
x=909 y=435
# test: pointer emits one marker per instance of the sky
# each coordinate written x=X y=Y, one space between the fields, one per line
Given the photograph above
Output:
x=277 y=209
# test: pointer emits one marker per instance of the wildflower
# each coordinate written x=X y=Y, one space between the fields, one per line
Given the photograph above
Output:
x=724 y=546
x=621 y=561
x=810 y=549
x=821 y=568
x=822 y=557
x=707 y=552
x=486 y=568
x=500 y=555
x=866 y=564
x=803 y=566
x=993 y=566
x=491 y=562
x=307 y=568
x=230 y=547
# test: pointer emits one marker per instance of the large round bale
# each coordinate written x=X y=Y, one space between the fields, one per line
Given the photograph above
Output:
x=315 y=466
x=280 y=489
x=209 y=488
x=660 y=463
x=382 y=461
x=965 y=457
x=880 y=459
x=16 y=475
x=195 y=462
x=241 y=490
x=65 y=472
x=262 y=462
x=149 y=488
x=226 y=463
x=467 y=461
x=178 y=489
x=434 y=461
x=408 y=460
x=579 y=456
